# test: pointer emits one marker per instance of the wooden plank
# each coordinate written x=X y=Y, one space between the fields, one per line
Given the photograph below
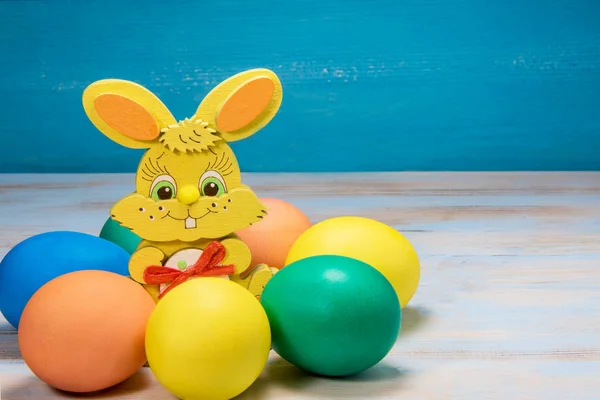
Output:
x=508 y=304
x=429 y=85
x=407 y=377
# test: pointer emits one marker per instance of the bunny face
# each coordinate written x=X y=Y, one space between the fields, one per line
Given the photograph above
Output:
x=188 y=197
x=188 y=183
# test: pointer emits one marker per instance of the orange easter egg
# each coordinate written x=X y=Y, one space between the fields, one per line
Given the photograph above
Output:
x=271 y=239
x=85 y=331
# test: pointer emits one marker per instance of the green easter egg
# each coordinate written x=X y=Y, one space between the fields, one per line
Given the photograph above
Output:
x=114 y=232
x=332 y=315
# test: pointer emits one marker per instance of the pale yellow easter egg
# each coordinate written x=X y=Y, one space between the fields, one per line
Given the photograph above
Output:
x=208 y=339
x=369 y=241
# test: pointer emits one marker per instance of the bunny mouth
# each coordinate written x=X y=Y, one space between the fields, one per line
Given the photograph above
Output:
x=189 y=221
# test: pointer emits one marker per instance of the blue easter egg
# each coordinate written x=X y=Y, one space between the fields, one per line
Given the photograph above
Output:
x=39 y=259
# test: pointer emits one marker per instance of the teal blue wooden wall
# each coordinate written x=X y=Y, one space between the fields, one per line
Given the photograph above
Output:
x=368 y=85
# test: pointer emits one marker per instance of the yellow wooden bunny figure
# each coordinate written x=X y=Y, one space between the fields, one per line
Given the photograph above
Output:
x=189 y=197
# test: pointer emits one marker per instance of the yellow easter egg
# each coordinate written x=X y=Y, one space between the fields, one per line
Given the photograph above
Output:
x=369 y=241
x=208 y=338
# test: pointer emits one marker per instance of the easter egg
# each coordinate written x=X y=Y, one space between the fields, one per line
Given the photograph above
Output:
x=119 y=235
x=41 y=258
x=332 y=315
x=84 y=331
x=208 y=338
x=270 y=240
x=367 y=240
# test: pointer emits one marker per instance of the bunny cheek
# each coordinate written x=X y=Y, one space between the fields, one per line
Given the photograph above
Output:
x=150 y=219
x=220 y=216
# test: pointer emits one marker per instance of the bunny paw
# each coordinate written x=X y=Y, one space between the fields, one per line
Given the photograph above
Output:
x=258 y=278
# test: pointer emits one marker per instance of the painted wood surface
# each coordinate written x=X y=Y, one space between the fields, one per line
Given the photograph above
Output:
x=508 y=306
x=427 y=84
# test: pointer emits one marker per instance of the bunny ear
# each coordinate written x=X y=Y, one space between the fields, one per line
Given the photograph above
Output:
x=243 y=104
x=126 y=112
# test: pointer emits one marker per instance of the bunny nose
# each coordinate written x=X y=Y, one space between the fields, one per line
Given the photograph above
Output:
x=188 y=194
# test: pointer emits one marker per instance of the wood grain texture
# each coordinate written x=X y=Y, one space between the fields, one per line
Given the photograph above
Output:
x=440 y=84
x=508 y=305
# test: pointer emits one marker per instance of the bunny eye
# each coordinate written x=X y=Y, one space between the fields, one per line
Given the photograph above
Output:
x=163 y=188
x=212 y=184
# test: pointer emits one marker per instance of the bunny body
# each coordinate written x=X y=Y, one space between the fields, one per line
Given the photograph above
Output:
x=189 y=191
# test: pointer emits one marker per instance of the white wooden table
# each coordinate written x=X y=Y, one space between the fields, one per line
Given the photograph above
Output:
x=509 y=301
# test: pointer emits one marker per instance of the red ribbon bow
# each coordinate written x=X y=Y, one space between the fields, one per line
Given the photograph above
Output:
x=207 y=265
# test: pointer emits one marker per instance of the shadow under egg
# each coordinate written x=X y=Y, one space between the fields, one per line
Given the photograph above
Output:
x=281 y=376
x=141 y=381
x=413 y=319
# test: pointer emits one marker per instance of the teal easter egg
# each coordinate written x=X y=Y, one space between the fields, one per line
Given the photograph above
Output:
x=119 y=235
x=39 y=259
x=332 y=315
